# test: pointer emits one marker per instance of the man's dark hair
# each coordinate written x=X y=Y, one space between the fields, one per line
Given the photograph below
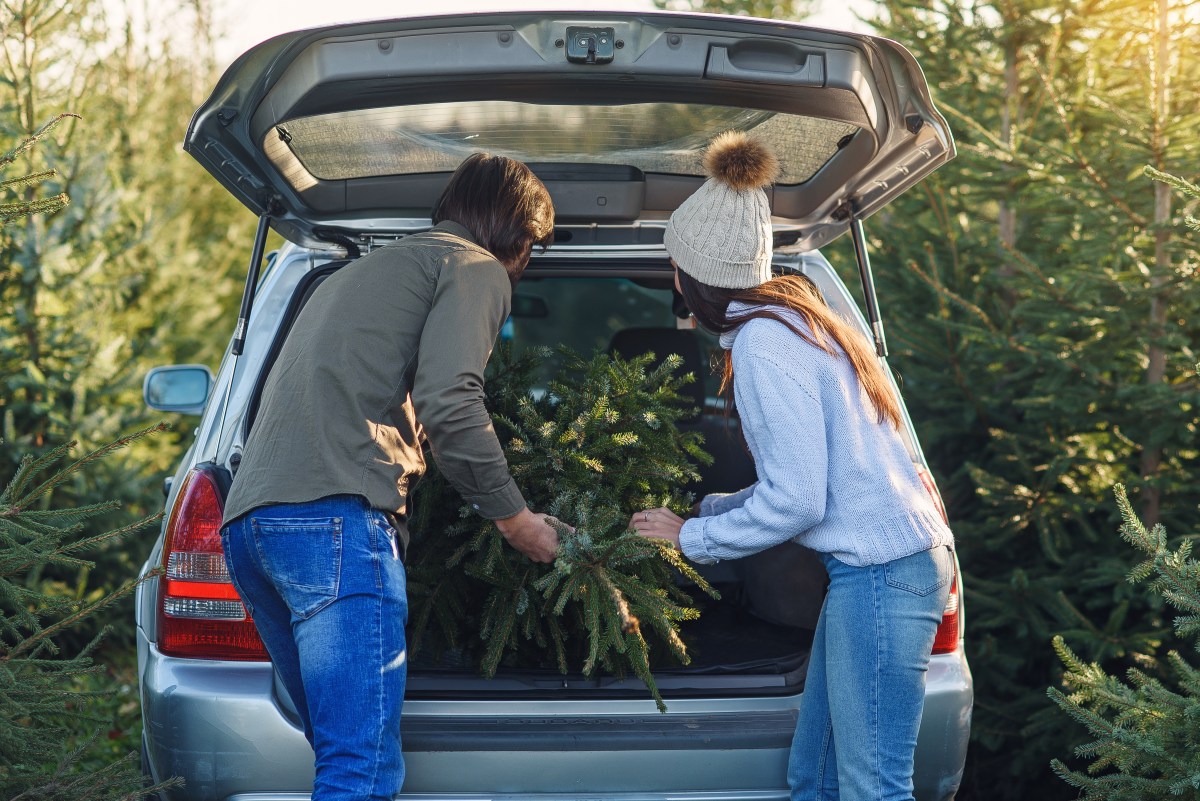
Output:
x=504 y=206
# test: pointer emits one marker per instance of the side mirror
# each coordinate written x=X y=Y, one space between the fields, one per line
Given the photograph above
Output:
x=178 y=388
x=529 y=307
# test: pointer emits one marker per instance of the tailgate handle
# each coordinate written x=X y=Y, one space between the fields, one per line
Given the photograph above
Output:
x=765 y=62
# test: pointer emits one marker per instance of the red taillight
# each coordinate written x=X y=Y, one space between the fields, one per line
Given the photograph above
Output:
x=948 y=634
x=199 y=612
x=927 y=481
x=946 y=639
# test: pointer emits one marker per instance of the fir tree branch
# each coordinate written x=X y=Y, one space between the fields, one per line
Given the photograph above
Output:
x=28 y=180
x=116 y=533
x=41 y=133
x=1081 y=160
x=84 y=612
x=1187 y=187
x=58 y=478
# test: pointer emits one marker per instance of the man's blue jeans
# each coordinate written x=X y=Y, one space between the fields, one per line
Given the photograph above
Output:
x=865 y=690
x=325 y=585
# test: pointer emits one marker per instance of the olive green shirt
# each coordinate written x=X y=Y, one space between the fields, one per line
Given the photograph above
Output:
x=389 y=348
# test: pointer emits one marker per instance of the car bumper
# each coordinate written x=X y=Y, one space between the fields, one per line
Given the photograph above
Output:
x=219 y=727
x=215 y=724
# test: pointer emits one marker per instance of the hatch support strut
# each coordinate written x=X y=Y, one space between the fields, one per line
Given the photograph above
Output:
x=256 y=255
x=243 y=321
x=868 y=284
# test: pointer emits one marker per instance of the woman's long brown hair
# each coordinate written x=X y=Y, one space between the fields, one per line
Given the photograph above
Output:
x=827 y=330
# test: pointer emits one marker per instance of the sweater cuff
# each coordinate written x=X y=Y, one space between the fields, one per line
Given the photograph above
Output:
x=499 y=504
x=691 y=542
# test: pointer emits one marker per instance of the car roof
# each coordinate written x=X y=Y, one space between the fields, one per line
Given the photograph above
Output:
x=353 y=129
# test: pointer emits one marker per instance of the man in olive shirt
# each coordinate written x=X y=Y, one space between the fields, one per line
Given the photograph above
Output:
x=389 y=348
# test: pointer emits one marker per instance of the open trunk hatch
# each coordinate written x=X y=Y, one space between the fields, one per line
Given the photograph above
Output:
x=355 y=128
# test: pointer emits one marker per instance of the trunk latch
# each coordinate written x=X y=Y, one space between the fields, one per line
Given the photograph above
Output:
x=590 y=45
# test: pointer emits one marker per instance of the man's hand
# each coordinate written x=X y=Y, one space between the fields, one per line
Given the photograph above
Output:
x=530 y=534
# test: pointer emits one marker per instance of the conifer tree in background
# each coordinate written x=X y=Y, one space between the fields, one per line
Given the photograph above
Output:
x=41 y=714
x=1144 y=728
x=599 y=444
x=98 y=293
x=1044 y=322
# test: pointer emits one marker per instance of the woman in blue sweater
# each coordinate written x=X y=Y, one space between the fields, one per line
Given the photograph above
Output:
x=822 y=422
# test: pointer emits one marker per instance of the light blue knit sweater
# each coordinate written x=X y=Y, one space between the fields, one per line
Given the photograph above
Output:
x=829 y=476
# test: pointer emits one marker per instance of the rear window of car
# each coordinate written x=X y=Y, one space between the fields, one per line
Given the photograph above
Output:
x=436 y=137
x=585 y=314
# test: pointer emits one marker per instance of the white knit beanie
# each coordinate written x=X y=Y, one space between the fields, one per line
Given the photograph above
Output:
x=721 y=235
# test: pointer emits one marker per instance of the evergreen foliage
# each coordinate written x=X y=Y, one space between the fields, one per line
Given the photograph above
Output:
x=1043 y=318
x=100 y=291
x=1186 y=187
x=1144 y=727
x=768 y=9
x=41 y=712
x=29 y=205
x=599 y=444
x=1145 y=732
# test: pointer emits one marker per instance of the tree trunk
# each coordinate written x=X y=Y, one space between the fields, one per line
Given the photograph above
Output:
x=1007 y=214
x=28 y=262
x=1156 y=362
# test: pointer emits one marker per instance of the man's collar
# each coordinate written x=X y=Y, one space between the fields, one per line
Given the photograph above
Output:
x=451 y=227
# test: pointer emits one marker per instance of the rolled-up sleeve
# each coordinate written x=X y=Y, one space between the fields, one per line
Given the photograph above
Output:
x=472 y=299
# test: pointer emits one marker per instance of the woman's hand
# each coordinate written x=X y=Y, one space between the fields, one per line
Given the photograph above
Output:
x=659 y=523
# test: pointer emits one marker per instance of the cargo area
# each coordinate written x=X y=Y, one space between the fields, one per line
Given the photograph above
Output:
x=756 y=639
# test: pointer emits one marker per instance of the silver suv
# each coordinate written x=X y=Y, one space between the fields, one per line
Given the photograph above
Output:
x=340 y=138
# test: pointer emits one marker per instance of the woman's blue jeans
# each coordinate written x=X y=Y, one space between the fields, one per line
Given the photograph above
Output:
x=865 y=690
x=325 y=585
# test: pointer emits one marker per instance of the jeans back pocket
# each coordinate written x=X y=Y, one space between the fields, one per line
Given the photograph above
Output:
x=922 y=573
x=303 y=558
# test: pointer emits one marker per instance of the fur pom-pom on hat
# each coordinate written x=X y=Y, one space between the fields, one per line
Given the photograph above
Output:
x=740 y=161
x=721 y=235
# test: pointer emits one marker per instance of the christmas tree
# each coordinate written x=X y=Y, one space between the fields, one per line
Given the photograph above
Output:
x=40 y=716
x=600 y=443
x=1146 y=739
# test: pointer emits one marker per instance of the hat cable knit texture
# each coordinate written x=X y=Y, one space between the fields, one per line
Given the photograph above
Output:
x=721 y=235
